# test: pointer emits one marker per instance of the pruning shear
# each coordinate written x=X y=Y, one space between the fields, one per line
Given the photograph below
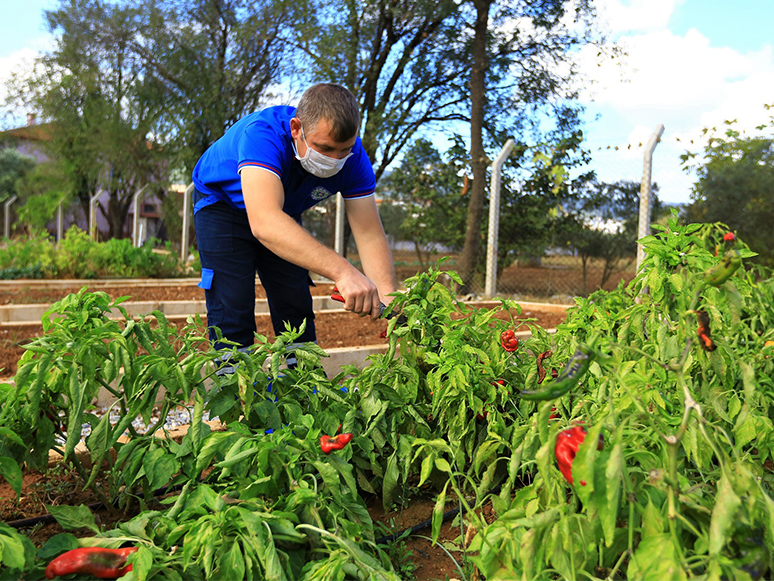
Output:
x=336 y=296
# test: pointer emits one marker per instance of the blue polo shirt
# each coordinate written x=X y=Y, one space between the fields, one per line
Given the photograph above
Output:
x=262 y=139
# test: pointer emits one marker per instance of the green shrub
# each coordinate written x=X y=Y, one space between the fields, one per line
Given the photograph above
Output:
x=29 y=258
x=16 y=272
x=78 y=256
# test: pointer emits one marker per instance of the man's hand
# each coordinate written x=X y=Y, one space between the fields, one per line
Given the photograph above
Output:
x=360 y=295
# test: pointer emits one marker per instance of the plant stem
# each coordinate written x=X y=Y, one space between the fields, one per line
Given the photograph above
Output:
x=93 y=487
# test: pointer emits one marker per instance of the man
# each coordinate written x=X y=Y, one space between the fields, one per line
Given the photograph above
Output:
x=251 y=187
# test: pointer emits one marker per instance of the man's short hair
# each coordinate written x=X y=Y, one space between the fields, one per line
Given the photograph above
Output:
x=333 y=103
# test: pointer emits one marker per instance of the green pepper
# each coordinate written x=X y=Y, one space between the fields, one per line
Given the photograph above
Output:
x=728 y=265
x=576 y=368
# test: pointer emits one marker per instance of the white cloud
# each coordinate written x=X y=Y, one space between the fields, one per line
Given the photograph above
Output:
x=19 y=62
x=682 y=81
x=678 y=77
x=636 y=14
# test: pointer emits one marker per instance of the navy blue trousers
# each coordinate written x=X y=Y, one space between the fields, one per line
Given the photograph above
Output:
x=230 y=257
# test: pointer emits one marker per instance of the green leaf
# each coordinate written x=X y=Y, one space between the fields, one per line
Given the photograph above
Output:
x=723 y=514
x=12 y=550
x=331 y=478
x=75 y=411
x=655 y=559
x=98 y=443
x=745 y=428
x=608 y=509
x=232 y=564
x=390 y=481
x=443 y=465
x=652 y=521
x=438 y=512
x=161 y=470
x=56 y=545
x=583 y=466
x=10 y=470
x=73 y=517
x=427 y=468
x=142 y=563
x=11 y=435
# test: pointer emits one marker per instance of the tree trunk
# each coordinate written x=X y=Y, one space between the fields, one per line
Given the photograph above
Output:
x=479 y=161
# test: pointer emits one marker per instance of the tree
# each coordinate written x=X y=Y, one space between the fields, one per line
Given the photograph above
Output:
x=13 y=166
x=605 y=225
x=217 y=60
x=400 y=58
x=428 y=190
x=104 y=107
x=521 y=60
x=536 y=192
x=41 y=191
x=735 y=185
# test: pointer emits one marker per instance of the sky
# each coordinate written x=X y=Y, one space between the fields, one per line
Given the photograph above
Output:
x=689 y=65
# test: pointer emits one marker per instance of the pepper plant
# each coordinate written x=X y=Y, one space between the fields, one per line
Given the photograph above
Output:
x=681 y=488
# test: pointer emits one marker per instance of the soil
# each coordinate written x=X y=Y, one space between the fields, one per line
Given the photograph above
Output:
x=334 y=329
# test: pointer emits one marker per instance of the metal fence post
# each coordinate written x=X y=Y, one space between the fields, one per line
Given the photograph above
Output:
x=7 y=213
x=338 y=243
x=93 y=215
x=138 y=197
x=59 y=223
x=186 y=222
x=646 y=191
x=490 y=288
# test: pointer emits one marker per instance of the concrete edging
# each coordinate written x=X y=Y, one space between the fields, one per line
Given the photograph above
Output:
x=31 y=314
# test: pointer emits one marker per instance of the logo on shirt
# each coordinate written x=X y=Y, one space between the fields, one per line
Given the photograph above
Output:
x=320 y=193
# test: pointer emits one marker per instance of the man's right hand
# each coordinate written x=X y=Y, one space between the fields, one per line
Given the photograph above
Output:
x=360 y=294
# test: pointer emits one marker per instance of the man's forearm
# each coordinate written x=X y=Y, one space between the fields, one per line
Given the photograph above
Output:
x=287 y=239
x=378 y=265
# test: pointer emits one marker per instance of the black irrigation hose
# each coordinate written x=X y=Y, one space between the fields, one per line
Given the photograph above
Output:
x=49 y=518
x=417 y=527
x=449 y=514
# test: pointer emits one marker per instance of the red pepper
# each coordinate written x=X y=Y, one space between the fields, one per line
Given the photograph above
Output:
x=328 y=444
x=567 y=444
x=541 y=370
x=509 y=340
x=96 y=561
x=703 y=332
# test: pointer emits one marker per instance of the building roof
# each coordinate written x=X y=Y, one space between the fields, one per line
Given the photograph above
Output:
x=35 y=132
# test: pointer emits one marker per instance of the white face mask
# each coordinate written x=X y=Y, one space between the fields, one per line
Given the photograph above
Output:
x=318 y=164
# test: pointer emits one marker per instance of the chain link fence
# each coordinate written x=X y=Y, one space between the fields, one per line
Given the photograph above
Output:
x=597 y=253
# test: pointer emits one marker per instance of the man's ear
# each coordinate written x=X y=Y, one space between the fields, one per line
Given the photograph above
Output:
x=295 y=128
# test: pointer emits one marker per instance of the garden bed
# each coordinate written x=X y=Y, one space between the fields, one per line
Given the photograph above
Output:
x=632 y=442
x=61 y=486
x=334 y=329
